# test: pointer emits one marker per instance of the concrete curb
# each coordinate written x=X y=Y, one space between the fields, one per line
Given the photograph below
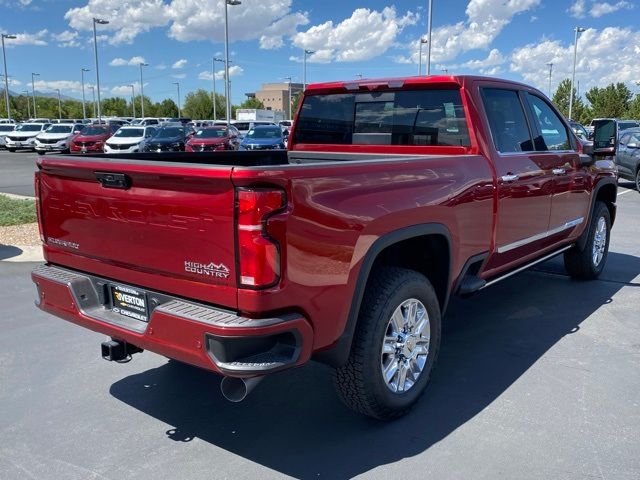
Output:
x=17 y=253
x=17 y=197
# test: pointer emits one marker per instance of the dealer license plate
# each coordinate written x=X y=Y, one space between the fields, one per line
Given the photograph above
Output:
x=130 y=302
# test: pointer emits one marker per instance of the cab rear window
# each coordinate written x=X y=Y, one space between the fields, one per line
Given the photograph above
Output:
x=412 y=117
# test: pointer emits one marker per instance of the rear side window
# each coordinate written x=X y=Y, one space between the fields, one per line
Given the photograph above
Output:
x=507 y=121
x=553 y=133
x=414 y=117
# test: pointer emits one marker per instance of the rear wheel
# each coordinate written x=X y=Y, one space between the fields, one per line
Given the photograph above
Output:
x=588 y=263
x=12 y=150
x=638 y=180
x=395 y=345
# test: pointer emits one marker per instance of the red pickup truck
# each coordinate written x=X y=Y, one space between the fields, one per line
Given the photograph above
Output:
x=394 y=195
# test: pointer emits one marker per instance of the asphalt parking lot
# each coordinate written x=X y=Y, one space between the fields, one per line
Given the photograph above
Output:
x=538 y=378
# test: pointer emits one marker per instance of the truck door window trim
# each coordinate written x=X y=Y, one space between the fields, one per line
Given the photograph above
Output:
x=540 y=236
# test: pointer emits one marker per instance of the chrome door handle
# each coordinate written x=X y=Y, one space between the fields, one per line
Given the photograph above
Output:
x=559 y=171
x=510 y=178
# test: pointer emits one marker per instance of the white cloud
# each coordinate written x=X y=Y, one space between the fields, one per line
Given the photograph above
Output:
x=604 y=8
x=125 y=90
x=65 y=85
x=38 y=38
x=578 y=9
x=68 y=38
x=132 y=62
x=364 y=35
x=179 y=64
x=127 y=19
x=161 y=66
x=596 y=9
x=598 y=52
x=485 y=21
x=179 y=76
x=266 y=20
x=494 y=59
x=234 y=71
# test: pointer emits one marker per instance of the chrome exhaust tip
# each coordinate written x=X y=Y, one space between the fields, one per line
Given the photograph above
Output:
x=236 y=389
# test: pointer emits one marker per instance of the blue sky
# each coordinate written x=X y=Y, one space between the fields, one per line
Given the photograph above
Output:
x=507 y=38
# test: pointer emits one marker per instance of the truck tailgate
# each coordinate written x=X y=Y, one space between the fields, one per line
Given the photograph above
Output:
x=164 y=226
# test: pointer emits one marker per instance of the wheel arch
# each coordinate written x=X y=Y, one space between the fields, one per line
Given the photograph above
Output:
x=605 y=191
x=389 y=247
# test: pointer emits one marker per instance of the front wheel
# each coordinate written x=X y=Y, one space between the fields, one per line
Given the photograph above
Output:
x=395 y=346
x=638 y=180
x=588 y=263
x=12 y=150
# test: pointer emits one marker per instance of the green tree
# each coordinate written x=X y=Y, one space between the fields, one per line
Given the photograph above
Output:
x=166 y=108
x=561 y=101
x=611 y=101
x=198 y=105
x=115 y=107
x=634 y=108
x=296 y=103
x=252 y=103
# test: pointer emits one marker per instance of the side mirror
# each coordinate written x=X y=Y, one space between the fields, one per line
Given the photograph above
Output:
x=605 y=134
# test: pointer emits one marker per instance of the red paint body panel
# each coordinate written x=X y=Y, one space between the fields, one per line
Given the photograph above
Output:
x=334 y=213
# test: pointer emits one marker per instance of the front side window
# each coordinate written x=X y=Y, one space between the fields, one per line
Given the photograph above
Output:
x=412 y=117
x=507 y=120
x=552 y=129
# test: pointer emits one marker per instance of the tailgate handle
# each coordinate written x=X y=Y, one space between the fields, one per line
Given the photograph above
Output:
x=113 y=180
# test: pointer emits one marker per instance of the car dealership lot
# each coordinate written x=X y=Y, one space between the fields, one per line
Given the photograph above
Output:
x=537 y=378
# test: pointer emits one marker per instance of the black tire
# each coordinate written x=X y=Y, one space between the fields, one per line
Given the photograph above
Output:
x=580 y=263
x=359 y=383
x=40 y=152
x=12 y=150
x=638 y=180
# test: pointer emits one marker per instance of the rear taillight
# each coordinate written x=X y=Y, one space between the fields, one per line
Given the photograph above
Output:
x=259 y=255
x=36 y=186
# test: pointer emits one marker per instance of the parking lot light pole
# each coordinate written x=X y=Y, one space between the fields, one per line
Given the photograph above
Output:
x=84 y=106
x=26 y=94
x=289 y=97
x=304 y=68
x=226 y=55
x=422 y=42
x=93 y=92
x=33 y=89
x=6 y=74
x=577 y=30
x=177 y=84
x=215 y=111
x=59 y=105
x=142 y=64
x=97 y=21
x=550 y=65
x=430 y=22
x=133 y=99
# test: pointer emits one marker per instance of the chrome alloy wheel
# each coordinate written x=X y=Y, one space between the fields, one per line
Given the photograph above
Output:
x=599 y=242
x=406 y=346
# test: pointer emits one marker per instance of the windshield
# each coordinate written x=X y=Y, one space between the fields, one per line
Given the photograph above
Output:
x=212 y=133
x=6 y=128
x=169 y=132
x=265 y=133
x=129 y=133
x=59 y=129
x=28 y=128
x=94 y=131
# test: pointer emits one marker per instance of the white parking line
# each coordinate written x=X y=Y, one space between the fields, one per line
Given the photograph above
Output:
x=625 y=191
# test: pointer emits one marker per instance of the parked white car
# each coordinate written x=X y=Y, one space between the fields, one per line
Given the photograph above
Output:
x=24 y=136
x=5 y=129
x=57 y=138
x=146 y=121
x=244 y=127
x=129 y=139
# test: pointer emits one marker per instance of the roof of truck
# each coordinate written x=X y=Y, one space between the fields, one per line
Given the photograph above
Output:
x=400 y=82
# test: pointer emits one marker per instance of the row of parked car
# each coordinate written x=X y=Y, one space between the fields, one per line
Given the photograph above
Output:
x=141 y=135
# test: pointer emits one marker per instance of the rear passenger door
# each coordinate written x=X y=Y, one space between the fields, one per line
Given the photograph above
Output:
x=556 y=149
x=525 y=181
